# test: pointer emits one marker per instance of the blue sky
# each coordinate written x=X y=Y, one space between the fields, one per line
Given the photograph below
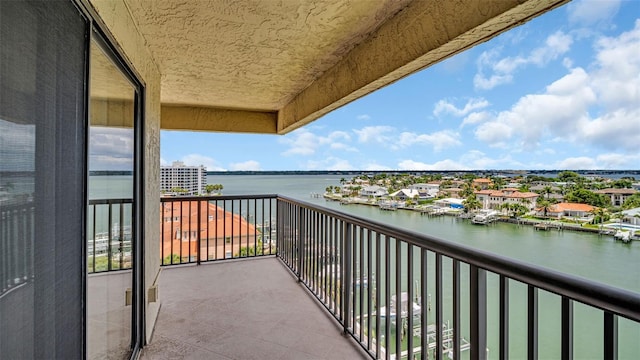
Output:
x=559 y=92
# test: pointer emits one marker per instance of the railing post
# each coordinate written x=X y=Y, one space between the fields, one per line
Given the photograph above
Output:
x=504 y=318
x=346 y=269
x=300 y=241
x=532 y=322
x=199 y=235
x=567 y=328
x=478 y=312
x=610 y=336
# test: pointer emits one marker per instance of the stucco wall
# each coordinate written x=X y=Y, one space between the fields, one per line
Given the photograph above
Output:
x=115 y=15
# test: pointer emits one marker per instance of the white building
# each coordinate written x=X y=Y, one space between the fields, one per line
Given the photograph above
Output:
x=494 y=199
x=193 y=179
x=430 y=188
x=374 y=191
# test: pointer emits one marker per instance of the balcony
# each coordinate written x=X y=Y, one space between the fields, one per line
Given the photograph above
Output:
x=265 y=258
x=246 y=309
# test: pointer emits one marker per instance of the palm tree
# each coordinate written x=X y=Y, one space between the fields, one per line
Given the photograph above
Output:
x=471 y=203
x=545 y=205
x=498 y=183
x=524 y=188
x=547 y=190
x=600 y=215
x=209 y=188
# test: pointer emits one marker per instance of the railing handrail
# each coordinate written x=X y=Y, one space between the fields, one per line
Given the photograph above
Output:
x=110 y=201
x=618 y=301
x=217 y=197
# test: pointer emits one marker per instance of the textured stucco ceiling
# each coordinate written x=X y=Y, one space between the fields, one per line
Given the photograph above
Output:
x=251 y=54
x=271 y=66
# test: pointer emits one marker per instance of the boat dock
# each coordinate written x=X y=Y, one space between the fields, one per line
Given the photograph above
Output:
x=545 y=226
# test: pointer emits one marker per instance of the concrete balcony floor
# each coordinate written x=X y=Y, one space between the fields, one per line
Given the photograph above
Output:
x=246 y=309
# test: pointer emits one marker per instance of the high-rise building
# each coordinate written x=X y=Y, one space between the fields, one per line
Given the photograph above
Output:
x=192 y=179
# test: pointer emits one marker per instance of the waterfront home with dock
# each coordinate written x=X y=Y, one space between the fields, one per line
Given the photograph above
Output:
x=573 y=210
x=373 y=191
x=495 y=199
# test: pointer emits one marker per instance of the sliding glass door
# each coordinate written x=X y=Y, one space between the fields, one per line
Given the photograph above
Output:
x=42 y=179
x=70 y=187
x=111 y=225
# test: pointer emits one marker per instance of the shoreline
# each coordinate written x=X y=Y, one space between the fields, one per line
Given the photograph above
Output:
x=544 y=225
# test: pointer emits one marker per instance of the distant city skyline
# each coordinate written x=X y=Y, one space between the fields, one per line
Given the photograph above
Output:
x=559 y=92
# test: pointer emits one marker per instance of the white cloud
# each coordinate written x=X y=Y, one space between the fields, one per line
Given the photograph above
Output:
x=618 y=161
x=501 y=71
x=330 y=163
x=446 y=107
x=475 y=118
x=363 y=117
x=602 y=161
x=577 y=163
x=439 y=140
x=304 y=142
x=110 y=148
x=617 y=78
x=439 y=165
x=249 y=165
x=374 y=134
x=565 y=111
x=495 y=133
x=476 y=159
x=590 y=12
x=164 y=162
x=198 y=159
x=301 y=142
x=375 y=167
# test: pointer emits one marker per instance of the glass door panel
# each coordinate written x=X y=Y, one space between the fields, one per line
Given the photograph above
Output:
x=109 y=214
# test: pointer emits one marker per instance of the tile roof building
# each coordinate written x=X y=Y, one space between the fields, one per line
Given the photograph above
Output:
x=617 y=196
x=568 y=209
x=221 y=233
x=494 y=199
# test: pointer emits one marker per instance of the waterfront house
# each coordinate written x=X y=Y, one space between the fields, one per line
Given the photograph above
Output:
x=617 y=196
x=482 y=183
x=70 y=67
x=453 y=192
x=495 y=199
x=631 y=216
x=373 y=191
x=405 y=194
x=571 y=210
x=431 y=188
x=454 y=203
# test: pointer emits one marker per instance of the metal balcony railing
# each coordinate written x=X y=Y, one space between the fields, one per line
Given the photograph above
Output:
x=376 y=280
x=109 y=235
x=200 y=229
x=16 y=245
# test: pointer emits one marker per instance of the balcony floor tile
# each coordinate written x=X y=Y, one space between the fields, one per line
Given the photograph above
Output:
x=248 y=309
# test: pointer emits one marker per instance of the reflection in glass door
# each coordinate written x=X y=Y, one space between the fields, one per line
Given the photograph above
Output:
x=110 y=228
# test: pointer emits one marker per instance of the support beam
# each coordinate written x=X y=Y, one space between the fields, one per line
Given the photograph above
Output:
x=176 y=117
x=422 y=34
